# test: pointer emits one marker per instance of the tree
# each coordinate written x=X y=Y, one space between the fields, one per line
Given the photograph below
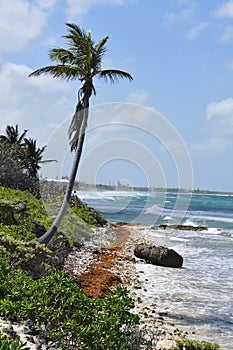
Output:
x=33 y=156
x=83 y=61
x=12 y=168
x=19 y=160
x=12 y=159
x=12 y=135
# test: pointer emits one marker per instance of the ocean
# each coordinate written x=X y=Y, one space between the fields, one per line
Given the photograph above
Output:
x=199 y=296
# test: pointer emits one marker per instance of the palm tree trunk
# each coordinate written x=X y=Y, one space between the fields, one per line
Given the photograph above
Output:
x=47 y=236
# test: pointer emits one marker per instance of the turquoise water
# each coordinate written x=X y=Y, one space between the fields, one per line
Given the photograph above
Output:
x=198 y=297
x=213 y=211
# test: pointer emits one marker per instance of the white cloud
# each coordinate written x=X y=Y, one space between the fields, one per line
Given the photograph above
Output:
x=219 y=117
x=195 y=31
x=188 y=9
x=139 y=97
x=184 y=19
x=221 y=109
x=21 y=21
x=37 y=104
x=213 y=144
x=76 y=9
x=227 y=34
x=225 y=10
x=184 y=14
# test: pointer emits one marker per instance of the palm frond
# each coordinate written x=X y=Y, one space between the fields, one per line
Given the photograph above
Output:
x=114 y=75
x=75 y=125
x=61 y=55
x=13 y=136
x=77 y=38
x=21 y=138
x=74 y=56
x=74 y=31
x=41 y=150
x=66 y=72
x=48 y=161
x=96 y=54
x=12 y=133
x=100 y=48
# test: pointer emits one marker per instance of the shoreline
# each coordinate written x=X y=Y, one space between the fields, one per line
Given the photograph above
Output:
x=103 y=262
x=157 y=312
x=113 y=262
x=159 y=331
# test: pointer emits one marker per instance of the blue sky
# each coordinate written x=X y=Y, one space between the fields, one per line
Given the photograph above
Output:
x=180 y=55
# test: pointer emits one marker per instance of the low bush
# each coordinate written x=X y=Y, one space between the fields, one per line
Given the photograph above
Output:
x=187 y=344
x=86 y=213
x=69 y=317
x=11 y=345
x=22 y=215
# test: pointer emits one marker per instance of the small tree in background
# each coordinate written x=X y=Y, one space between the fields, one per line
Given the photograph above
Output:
x=12 y=136
x=20 y=160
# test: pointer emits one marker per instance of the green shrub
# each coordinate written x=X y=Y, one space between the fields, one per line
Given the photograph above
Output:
x=11 y=345
x=69 y=317
x=22 y=215
x=4 y=276
x=87 y=214
x=27 y=255
x=194 y=345
x=74 y=228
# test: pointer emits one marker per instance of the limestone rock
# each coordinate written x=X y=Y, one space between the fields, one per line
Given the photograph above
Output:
x=165 y=344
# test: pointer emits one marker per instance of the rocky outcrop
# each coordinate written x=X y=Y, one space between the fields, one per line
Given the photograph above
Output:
x=181 y=227
x=158 y=255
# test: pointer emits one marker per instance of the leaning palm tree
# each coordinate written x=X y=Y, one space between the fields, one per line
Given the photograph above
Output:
x=83 y=61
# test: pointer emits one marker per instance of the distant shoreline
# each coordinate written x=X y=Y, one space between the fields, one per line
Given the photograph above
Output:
x=81 y=186
x=88 y=187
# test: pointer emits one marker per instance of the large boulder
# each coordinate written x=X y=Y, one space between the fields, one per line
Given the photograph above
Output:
x=158 y=255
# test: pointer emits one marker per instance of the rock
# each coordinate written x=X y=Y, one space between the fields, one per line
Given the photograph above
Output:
x=158 y=255
x=164 y=344
x=181 y=227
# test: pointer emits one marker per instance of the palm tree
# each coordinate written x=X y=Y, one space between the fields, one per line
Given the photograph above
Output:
x=33 y=156
x=83 y=61
x=12 y=135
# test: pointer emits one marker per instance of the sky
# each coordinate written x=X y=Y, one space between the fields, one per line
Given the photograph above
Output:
x=172 y=126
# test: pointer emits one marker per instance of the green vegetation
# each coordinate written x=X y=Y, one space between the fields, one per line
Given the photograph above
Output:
x=20 y=160
x=22 y=215
x=32 y=287
x=23 y=218
x=86 y=213
x=69 y=317
x=11 y=345
x=194 y=345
